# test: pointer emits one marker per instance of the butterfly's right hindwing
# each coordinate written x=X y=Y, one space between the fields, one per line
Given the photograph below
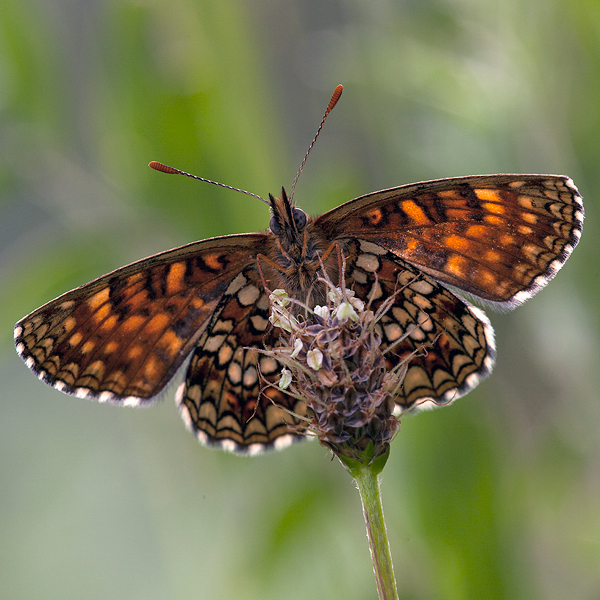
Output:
x=228 y=398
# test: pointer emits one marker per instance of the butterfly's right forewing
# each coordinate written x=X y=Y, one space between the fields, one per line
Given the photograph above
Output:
x=122 y=337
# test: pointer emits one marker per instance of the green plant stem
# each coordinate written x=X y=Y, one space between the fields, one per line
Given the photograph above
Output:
x=367 y=481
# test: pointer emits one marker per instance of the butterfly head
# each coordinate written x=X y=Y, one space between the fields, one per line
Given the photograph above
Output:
x=287 y=222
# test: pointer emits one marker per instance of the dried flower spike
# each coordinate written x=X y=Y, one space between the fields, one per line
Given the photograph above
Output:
x=333 y=361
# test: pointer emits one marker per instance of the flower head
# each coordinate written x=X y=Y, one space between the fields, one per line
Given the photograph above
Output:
x=333 y=360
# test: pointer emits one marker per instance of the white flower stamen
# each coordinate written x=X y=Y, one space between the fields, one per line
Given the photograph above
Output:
x=314 y=359
x=346 y=311
x=322 y=311
x=285 y=379
x=297 y=348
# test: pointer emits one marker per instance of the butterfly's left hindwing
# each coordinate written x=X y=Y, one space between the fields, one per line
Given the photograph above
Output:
x=122 y=337
x=447 y=344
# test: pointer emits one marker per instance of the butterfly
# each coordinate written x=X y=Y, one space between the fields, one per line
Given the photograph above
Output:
x=204 y=307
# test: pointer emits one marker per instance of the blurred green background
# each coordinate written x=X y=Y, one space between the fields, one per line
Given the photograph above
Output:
x=495 y=497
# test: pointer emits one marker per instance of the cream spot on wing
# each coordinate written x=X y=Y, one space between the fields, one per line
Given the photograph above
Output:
x=248 y=295
x=259 y=323
x=236 y=284
x=368 y=262
x=250 y=377
x=370 y=248
x=214 y=342
x=234 y=372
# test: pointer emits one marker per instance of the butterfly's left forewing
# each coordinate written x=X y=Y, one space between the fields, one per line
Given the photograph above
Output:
x=122 y=337
x=500 y=238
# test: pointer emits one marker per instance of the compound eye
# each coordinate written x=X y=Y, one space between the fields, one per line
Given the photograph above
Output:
x=299 y=219
x=274 y=226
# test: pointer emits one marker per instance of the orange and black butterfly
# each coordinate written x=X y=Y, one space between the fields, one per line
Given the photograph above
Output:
x=204 y=307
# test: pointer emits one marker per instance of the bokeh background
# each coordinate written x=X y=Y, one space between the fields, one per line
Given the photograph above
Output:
x=495 y=497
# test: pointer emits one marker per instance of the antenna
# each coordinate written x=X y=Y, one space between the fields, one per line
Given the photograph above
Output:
x=334 y=100
x=157 y=166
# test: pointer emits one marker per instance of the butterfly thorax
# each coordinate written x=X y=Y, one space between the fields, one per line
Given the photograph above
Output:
x=298 y=252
